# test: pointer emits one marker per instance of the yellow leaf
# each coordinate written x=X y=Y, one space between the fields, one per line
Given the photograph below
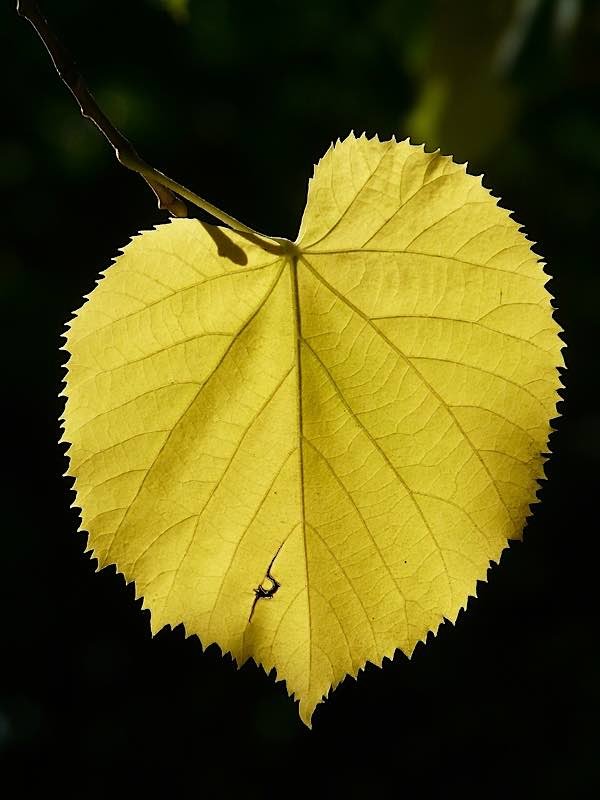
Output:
x=311 y=453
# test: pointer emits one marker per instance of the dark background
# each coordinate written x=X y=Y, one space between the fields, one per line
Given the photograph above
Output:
x=238 y=100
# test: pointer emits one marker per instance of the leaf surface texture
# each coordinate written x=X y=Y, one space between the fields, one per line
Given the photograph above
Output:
x=311 y=456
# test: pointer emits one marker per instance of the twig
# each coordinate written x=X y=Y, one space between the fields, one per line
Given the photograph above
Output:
x=165 y=189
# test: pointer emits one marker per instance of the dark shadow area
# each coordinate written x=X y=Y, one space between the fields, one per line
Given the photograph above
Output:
x=238 y=101
x=226 y=247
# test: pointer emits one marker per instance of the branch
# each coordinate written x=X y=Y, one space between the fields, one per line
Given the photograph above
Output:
x=165 y=189
x=72 y=78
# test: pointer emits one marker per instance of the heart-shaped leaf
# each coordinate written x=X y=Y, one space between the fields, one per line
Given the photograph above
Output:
x=311 y=453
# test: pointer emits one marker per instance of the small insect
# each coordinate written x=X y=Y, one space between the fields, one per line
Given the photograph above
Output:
x=267 y=594
x=262 y=593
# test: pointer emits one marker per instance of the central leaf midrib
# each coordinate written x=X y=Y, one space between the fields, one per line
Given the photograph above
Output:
x=297 y=322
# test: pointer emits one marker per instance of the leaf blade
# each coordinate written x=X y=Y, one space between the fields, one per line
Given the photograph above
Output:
x=312 y=457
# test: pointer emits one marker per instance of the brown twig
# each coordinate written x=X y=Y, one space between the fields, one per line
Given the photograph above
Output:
x=72 y=78
x=166 y=189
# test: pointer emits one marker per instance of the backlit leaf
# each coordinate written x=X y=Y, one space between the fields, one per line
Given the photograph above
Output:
x=310 y=453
